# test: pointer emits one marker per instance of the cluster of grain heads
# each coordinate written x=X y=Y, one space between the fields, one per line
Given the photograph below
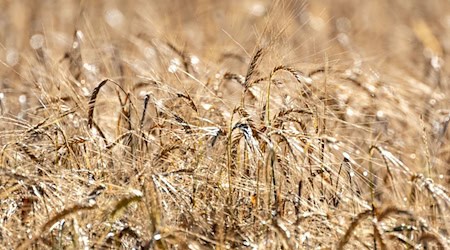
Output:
x=165 y=133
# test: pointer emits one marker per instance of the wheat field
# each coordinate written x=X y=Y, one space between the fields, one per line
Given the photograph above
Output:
x=208 y=124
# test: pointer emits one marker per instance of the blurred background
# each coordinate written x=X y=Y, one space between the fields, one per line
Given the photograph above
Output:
x=413 y=35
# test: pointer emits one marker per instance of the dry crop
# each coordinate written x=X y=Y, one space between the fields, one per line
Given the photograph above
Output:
x=224 y=124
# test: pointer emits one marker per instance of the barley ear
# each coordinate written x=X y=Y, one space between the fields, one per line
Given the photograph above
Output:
x=92 y=101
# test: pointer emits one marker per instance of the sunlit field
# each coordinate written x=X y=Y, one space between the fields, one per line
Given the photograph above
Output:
x=207 y=124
